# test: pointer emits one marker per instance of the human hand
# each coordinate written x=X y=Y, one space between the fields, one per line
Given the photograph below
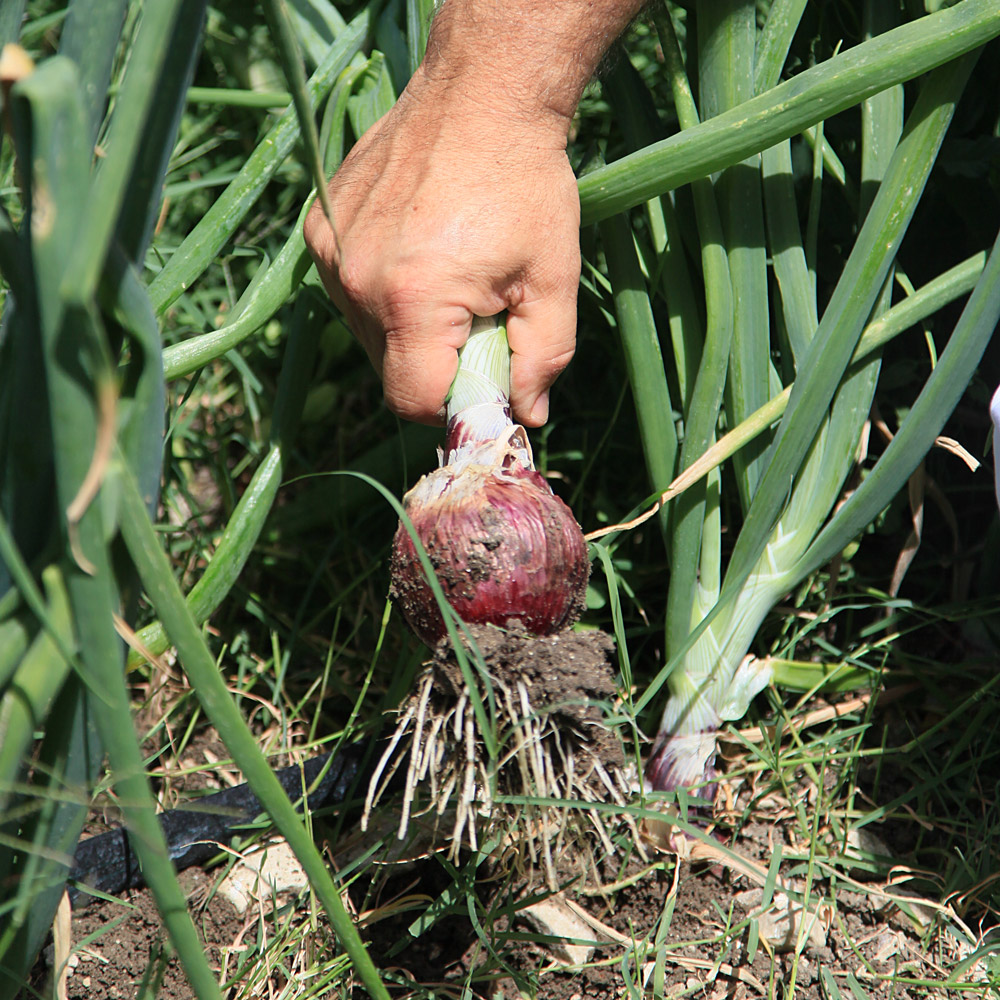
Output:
x=451 y=206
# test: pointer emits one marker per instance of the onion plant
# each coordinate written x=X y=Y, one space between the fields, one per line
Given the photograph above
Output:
x=734 y=350
x=766 y=330
x=82 y=423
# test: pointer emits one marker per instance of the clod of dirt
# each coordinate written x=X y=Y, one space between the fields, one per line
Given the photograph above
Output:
x=568 y=676
x=545 y=701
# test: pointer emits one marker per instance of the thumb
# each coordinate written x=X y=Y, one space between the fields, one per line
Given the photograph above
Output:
x=542 y=337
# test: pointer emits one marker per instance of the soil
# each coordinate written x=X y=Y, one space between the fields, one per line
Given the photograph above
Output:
x=628 y=883
x=116 y=945
x=861 y=939
x=122 y=940
x=569 y=676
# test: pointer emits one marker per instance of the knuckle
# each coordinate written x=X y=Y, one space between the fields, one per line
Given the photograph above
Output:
x=387 y=290
x=560 y=360
x=402 y=297
x=416 y=374
x=405 y=404
x=559 y=273
x=354 y=276
x=316 y=231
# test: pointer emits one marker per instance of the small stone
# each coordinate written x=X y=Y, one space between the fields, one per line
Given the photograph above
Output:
x=261 y=875
x=870 y=852
x=780 y=923
x=554 y=919
x=885 y=946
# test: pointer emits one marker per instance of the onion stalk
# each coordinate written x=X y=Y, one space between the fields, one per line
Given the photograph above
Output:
x=717 y=679
x=502 y=544
x=789 y=491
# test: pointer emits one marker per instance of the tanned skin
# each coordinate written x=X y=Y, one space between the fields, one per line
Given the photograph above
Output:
x=461 y=201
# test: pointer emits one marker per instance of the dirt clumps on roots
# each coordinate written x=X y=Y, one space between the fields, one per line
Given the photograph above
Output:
x=568 y=676
x=545 y=704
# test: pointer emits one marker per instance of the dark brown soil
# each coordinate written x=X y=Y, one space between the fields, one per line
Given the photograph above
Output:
x=700 y=961
x=118 y=945
x=124 y=938
x=569 y=676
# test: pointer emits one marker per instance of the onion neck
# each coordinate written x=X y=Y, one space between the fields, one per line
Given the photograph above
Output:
x=478 y=404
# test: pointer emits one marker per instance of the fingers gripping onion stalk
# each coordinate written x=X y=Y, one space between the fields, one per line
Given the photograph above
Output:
x=501 y=543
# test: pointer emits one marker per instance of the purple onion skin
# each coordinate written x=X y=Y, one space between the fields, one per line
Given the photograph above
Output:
x=502 y=546
x=676 y=763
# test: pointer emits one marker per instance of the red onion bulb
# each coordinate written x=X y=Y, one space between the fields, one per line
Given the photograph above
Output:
x=501 y=543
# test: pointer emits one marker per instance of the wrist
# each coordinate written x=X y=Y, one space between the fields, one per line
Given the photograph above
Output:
x=521 y=59
x=467 y=101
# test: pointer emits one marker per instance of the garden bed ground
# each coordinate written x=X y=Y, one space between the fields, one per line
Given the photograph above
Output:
x=722 y=919
x=866 y=933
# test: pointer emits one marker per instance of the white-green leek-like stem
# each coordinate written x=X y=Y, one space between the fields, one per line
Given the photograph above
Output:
x=483 y=366
x=478 y=404
x=716 y=681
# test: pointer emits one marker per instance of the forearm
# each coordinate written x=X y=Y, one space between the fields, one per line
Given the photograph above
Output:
x=527 y=57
